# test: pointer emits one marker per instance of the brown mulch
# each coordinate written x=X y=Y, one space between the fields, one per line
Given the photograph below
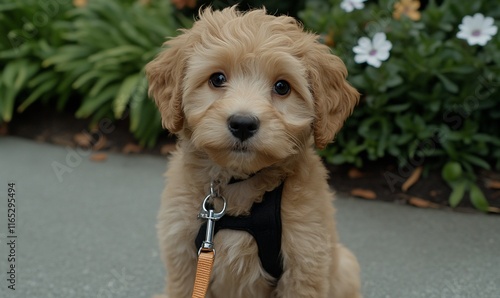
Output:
x=426 y=190
x=45 y=125
x=375 y=181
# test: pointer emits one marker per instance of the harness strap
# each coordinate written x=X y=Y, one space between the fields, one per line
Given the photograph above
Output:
x=203 y=272
x=264 y=224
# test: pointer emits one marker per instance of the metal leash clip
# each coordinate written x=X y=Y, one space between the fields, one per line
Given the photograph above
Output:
x=208 y=212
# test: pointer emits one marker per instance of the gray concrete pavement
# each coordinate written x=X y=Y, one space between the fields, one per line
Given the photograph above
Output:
x=87 y=229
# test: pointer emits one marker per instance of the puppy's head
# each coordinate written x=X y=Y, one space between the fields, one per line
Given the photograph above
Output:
x=249 y=89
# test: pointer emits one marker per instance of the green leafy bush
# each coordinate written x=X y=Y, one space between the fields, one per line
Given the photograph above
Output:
x=26 y=37
x=434 y=101
x=95 y=54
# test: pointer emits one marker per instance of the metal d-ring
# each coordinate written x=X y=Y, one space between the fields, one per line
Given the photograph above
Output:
x=205 y=211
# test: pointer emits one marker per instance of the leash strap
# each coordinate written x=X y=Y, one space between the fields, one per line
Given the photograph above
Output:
x=203 y=272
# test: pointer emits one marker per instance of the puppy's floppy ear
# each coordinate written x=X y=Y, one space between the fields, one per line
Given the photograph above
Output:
x=165 y=75
x=334 y=97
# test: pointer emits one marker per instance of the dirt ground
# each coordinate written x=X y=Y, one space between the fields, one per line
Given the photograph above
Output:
x=375 y=181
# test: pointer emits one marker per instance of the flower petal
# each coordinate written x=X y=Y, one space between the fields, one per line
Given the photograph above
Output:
x=463 y=35
x=360 y=50
x=358 y=5
x=476 y=21
x=360 y=58
x=365 y=42
x=464 y=28
x=373 y=61
x=346 y=6
x=488 y=22
x=386 y=46
x=378 y=39
x=482 y=40
x=382 y=55
x=491 y=30
x=466 y=21
x=478 y=17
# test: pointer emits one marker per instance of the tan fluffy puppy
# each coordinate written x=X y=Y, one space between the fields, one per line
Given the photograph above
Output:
x=249 y=95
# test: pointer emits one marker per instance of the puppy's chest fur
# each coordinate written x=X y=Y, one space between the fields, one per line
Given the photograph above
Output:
x=237 y=263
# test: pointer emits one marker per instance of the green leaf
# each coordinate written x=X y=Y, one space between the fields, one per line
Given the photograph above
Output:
x=447 y=83
x=476 y=161
x=394 y=80
x=135 y=115
x=482 y=137
x=116 y=52
x=14 y=77
x=457 y=193
x=460 y=69
x=450 y=150
x=103 y=82
x=9 y=6
x=91 y=104
x=26 y=71
x=40 y=78
x=72 y=66
x=451 y=171
x=477 y=198
x=65 y=57
x=123 y=96
x=397 y=108
x=39 y=91
x=134 y=35
x=1 y=102
x=93 y=74
x=8 y=104
x=359 y=81
x=336 y=159
x=9 y=73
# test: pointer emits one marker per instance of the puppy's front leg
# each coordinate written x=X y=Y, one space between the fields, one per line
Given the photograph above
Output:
x=307 y=261
x=179 y=281
x=177 y=232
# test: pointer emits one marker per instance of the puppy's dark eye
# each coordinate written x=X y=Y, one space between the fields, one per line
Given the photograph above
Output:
x=217 y=79
x=281 y=87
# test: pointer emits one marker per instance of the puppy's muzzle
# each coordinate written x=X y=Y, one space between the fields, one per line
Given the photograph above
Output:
x=243 y=127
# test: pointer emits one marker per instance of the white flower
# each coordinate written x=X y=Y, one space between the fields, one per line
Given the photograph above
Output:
x=373 y=51
x=477 y=29
x=350 y=5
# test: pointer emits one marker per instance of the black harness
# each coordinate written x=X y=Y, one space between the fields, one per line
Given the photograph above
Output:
x=264 y=224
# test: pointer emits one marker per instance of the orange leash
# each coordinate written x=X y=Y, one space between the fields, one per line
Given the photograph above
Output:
x=203 y=272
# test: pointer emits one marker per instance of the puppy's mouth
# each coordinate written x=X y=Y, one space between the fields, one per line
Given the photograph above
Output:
x=240 y=148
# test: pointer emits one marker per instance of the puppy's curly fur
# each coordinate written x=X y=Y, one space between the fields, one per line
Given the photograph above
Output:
x=252 y=51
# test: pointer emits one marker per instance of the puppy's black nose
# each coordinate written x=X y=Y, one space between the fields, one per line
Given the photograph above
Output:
x=243 y=126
